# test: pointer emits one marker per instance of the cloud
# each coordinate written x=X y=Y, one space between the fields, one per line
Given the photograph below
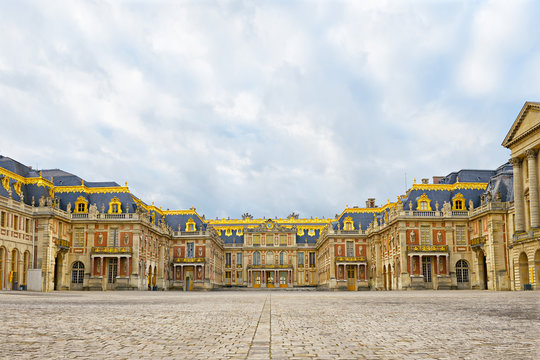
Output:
x=263 y=107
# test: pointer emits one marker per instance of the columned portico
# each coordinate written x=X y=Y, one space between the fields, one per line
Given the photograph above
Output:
x=533 y=187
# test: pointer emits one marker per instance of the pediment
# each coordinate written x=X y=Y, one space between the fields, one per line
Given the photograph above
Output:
x=270 y=226
x=527 y=122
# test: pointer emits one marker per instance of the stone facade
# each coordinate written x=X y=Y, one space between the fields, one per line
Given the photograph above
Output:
x=473 y=229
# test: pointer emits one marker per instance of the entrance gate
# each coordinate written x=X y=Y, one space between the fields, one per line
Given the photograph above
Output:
x=351 y=278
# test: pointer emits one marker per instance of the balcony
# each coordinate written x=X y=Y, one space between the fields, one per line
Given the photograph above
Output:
x=184 y=260
x=62 y=244
x=427 y=248
x=478 y=242
x=533 y=234
x=269 y=266
x=112 y=250
x=351 y=259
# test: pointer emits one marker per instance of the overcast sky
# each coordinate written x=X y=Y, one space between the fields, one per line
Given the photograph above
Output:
x=269 y=106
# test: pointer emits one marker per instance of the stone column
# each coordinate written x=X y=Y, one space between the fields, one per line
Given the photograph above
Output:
x=420 y=268
x=411 y=269
x=437 y=265
x=518 y=195
x=533 y=187
x=92 y=261
x=118 y=266
x=102 y=259
x=447 y=267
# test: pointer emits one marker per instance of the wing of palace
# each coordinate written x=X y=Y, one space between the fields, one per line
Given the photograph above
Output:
x=471 y=229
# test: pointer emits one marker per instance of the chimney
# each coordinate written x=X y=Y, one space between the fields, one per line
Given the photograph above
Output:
x=425 y=181
x=437 y=179
x=370 y=203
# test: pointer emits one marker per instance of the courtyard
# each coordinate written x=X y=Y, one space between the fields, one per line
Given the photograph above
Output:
x=271 y=324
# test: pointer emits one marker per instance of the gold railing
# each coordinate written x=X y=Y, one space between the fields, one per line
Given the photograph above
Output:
x=269 y=266
x=478 y=241
x=188 y=260
x=427 y=248
x=350 y=258
x=62 y=243
x=112 y=250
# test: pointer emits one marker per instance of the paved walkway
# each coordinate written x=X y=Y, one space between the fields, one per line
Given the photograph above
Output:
x=277 y=325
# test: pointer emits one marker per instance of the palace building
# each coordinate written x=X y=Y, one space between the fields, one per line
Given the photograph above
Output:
x=472 y=229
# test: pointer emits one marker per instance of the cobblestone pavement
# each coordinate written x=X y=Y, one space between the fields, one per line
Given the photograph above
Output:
x=276 y=324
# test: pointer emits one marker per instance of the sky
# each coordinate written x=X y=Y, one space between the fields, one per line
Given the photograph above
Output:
x=266 y=107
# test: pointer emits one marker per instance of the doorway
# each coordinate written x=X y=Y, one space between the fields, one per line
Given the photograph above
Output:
x=426 y=269
x=283 y=279
x=57 y=272
x=269 y=279
x=256 y=279
x=112 y=273
x=482 y=270
x=351 y=278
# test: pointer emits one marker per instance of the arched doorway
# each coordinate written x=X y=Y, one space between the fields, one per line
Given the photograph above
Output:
x=389 y=277
x=537 y=269
x=56 y=280
x=523 y=269
x=482 y=271
x=26 y=259
x=15 y=269
x=77 y=275
x=384 y=278
x=2 y=268
x=462 y=274
x=150 y=277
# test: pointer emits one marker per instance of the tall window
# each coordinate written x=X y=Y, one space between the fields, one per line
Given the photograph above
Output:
x=78 y=238
x=282 y=256
x=16 y=222
x=300 y=259
x=283 y=239
x=425 y=235
x=256 y=258
x=77 y=272
x=27 y=225
x=113 y=237
x=257 y=239
x=3 y=219
x=461 y=235
x=239 y=259
x=270 y=258
x=350 y=249
x=227 y=259
x=462 y=271
x=189 y=252
x=311 y=259
x=81 y=207
x=270 y=239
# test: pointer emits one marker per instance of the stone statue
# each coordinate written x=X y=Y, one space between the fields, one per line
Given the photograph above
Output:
x=10 y=193
x=436 y=206
x=413 y=236
x=93 y=209
x=489 y=197
x=68 y=208
x=498 y=196
x=22 y=197
x=410 y=205
x=41 y=201
x=33 y=202
x=102 y=208
x=439 y=237
x=471 y=205
x=127 y=208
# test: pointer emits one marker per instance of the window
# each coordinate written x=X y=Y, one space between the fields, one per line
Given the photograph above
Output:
x=81 y=205
x=239 y=259
x=462 y=271
x=350 y=249
x=256 y=239
x=311 y=259
x=3 y=219
x=461 y=235
x=78 y=237
x=269 y=239
x=189 y=252
x=424 y=203
x=283 y=239
x=300 y=259
x=113 y=237
x=425 y=235
x=256 y=258
x=348 y=223
x=458 y=202
x=191 y=226
x=270 y=258
x=115 y=206
x=77 y=272
x=282 y=257
x=228 y=259
x=16 y=222
x=27 y=225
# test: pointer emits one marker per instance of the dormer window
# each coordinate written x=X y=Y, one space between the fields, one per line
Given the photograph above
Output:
x=228 y=232
x=348 y=223
x=115 y=206
x=458 y=202
x=424 y=203
x=81 y=205
x=191 y=226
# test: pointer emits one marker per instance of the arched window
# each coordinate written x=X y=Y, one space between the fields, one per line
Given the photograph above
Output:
x=81 y=205
x=348 y=224
x=458 y=202
x=115 y=206
x=256 y=258
x=282 y=258
x=462 y=271
x=77 y=272
x=191 y=226
x=424 y=203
